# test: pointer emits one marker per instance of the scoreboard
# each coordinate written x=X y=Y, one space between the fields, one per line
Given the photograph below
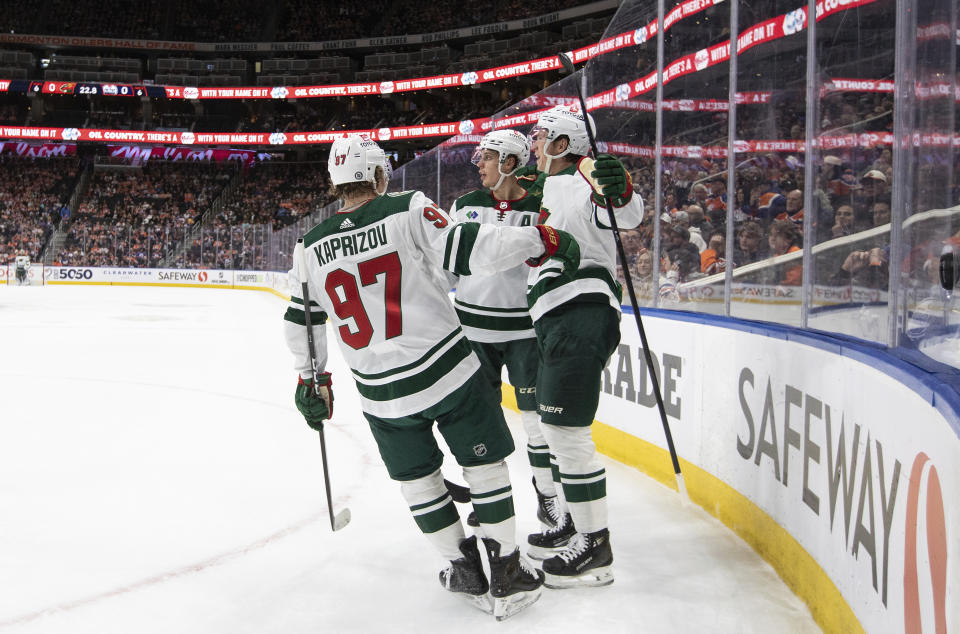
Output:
x=83 y=88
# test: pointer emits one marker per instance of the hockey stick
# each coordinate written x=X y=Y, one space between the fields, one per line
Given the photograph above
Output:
x=458 y=492
x=342 y=518
x=681 y=487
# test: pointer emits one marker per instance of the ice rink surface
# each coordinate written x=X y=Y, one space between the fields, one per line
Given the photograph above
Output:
x=155 y=477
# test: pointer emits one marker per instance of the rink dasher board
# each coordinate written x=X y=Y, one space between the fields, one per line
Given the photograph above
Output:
x=761 y=417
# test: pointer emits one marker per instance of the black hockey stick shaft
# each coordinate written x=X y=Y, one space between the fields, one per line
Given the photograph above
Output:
x=648 y=356
x=336 y=522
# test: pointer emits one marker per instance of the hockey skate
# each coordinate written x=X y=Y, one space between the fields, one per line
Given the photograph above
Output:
x=551 y=541
x=464 y=576
x=585 y=562
x=514 y=583
x=548 y=508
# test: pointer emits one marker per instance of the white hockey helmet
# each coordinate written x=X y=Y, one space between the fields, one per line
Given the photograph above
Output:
x=355 y=159
x=565 y=121
x=505 y=143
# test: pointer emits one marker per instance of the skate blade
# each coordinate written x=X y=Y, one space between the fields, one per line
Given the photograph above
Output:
x=590 y=579
x=505 y=607
x=482 y=602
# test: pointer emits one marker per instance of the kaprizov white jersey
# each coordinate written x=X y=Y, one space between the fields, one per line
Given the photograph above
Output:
x=494 y=309
x=377 y=272
x=567 y=205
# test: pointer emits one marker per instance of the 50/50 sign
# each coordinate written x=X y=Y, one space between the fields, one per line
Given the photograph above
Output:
x=74 y=274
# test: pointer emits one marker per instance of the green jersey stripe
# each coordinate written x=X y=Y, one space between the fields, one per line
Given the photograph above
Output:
x=421 y=380
x=404 y=368
x=367 y=214
x=299 y=317
x=459 y=247
x=484 y=322
x=545 y=286
x=492 y=309
x=296 y=300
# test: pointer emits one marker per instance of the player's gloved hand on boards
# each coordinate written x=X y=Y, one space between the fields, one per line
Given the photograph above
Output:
x=613 y=179
x=558 y=245
x=316 y=404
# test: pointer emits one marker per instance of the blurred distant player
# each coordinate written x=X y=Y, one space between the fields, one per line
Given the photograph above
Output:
x=22 y=264
x=493 y=309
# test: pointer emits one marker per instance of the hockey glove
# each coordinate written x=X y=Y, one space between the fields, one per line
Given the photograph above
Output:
x=558 y=245
x=527 y=170
x=315 y=403
x=613 y=179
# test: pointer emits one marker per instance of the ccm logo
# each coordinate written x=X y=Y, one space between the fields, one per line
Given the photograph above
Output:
x=925 y=552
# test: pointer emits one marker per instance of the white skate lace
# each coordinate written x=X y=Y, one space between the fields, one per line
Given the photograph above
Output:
x=577 y=546
x=527 y=567
x=553 y=509
x=561 y=526
x=447 y=575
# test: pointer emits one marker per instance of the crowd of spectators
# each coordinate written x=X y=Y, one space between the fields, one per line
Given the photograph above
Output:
x=267 y=197
x=851 y=195
x=33 y=196
x=135 y=217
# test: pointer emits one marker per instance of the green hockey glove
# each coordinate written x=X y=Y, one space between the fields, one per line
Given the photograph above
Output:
x=613 y=180
x=316 y=404
x=558 y=245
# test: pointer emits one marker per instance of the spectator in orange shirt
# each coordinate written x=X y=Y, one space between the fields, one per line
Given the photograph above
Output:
x=794 y=208
x=785 y=238
x=713 y=258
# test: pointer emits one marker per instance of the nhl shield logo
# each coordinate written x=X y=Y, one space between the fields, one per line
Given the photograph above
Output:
x=480 y=450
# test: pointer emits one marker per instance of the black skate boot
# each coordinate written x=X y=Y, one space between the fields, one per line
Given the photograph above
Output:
x=585 y=562
x=514 y=583
x=548 y=508
x=465 y=577
x=550 y=542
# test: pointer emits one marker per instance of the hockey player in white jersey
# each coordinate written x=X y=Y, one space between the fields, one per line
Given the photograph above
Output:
x=22 y=267
x=577 y=323
x=376 y=269
x=493 y=309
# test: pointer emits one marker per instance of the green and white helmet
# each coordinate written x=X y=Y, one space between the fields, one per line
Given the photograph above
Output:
x=354 y=159
x=505 y=143
x=565 y=121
